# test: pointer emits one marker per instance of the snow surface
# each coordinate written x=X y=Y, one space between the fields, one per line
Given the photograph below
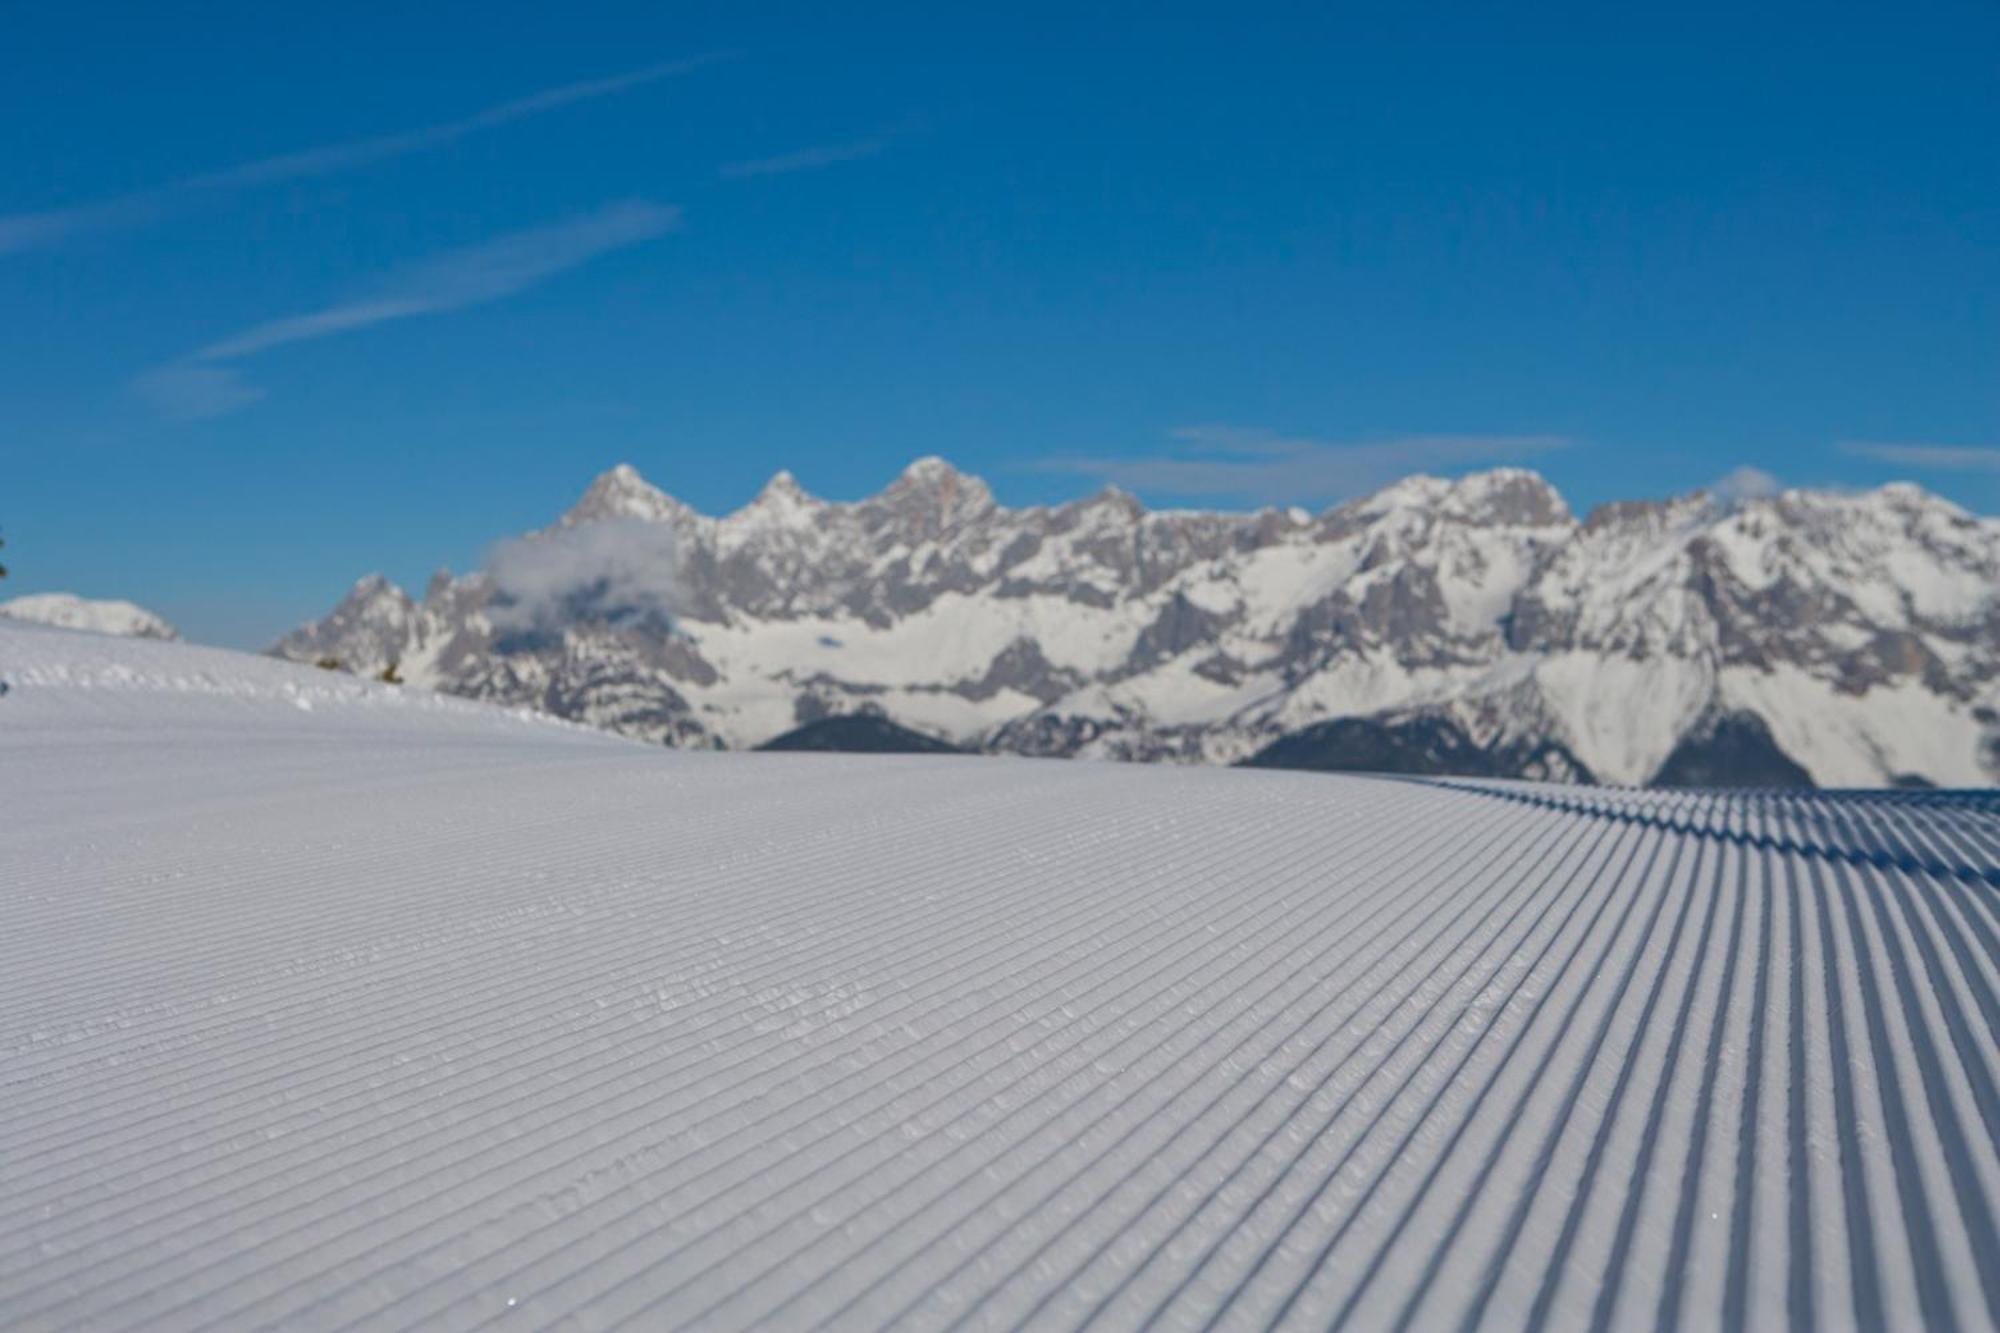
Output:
x=329 y=1004
x=69 y=611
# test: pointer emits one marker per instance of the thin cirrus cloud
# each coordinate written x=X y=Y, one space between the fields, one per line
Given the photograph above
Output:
x=805 y=159
x=1927 y=457
x=210 y=382
x=1260 y=465
x=27 y=231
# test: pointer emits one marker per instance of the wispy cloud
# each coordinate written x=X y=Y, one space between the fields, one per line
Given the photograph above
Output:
x=1928 y=457
x=32 y=231
x=617 y=571
x=24 y=231
x=1260 y=465
x=805 y=159
x=207 y=383
x=193 y=392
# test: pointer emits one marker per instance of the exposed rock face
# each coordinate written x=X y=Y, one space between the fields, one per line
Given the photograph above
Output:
x=1472 y=619
x=374 y=625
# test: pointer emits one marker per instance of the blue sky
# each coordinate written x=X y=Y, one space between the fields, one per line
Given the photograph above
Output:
x=293 y=293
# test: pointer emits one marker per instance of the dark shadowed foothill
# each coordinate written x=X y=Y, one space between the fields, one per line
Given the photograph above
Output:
x=1420 y=746
x=858 y=734
x=1735 y=750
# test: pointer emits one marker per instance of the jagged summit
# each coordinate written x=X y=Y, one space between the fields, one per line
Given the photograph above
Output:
x=932 y=487
x=622 y=493
x=932 y=476
x=370 y=629
x=930 y=500
x=1111 y=493
x=929 y=468
x=782 y=489
x=1910 y=497
x=1511 y=496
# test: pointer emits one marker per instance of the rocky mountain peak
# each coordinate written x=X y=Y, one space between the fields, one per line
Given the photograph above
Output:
x=1499 y=497
x=368 y=630
x=1509 y=497
x=376 y=598
x=781 y=503
x=930 y=470
x=1909 y=495
x=1111 y=500
x=622 y=493
x=782 y=488
x=929 y=499
x=1651 y=518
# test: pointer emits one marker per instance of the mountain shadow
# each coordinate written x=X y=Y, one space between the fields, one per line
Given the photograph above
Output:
x=1731 y=750
x=1420 y=746
x=858 y=734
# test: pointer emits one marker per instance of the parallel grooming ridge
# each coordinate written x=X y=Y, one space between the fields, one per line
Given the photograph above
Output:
x=427 y=1022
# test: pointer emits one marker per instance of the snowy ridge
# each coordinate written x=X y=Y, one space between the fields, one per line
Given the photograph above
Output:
x=69 y=611
x=525 y=1023
x=1862 y=632
x=58 y=681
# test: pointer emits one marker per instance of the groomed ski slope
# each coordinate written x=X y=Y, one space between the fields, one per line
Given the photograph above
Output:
x=326 y=1005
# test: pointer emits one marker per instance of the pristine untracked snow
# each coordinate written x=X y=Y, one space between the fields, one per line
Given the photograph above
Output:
x=326 y=1005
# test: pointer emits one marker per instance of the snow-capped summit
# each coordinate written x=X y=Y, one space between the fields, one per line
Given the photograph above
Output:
x=68 y=611
x=932 y=476
x=1859 y=634
x=929 y=501
x=929 y=468
x=783 y=483
x=781 y=501
x=1510 y=496
x=623 y=493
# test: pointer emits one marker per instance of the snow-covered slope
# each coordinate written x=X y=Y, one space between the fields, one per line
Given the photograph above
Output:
x=1862 y=632
x=325 y=1004
x=69 y=611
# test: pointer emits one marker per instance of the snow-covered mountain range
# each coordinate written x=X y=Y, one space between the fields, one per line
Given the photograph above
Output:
x=68 y=611
x=1472 y=624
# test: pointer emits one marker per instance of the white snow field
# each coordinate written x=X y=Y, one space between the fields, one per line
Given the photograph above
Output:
x=100 y=617
x=325 y=1005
